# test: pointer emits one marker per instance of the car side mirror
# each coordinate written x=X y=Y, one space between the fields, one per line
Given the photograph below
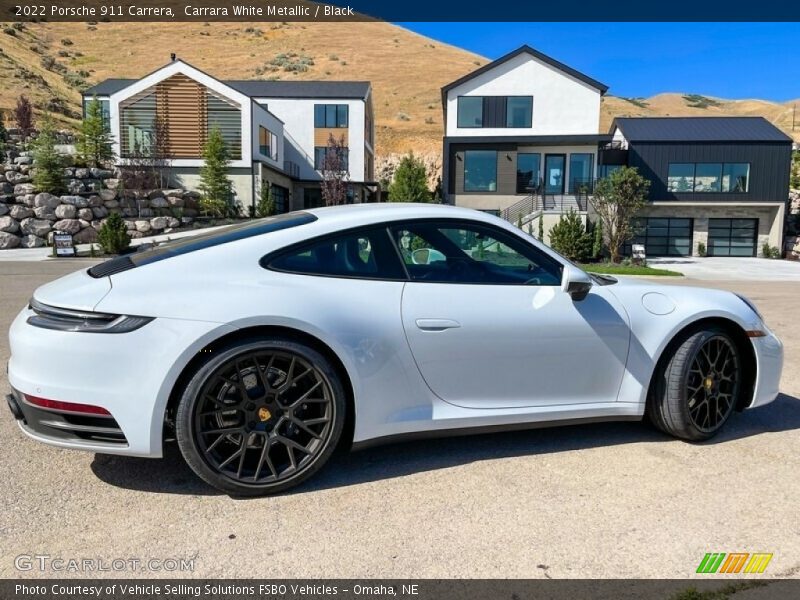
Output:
x=576 y=283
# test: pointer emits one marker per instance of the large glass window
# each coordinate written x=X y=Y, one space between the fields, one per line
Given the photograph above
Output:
x=680 y=177
x=267 y=143
x=580 y=173
x=331 y=115
x=519 y=111
x=223 y=114
x=105 y=109
x=280 y=196
x=708 y=177
x=663 y=236
x=470 y=111
x=735 y=177
x=321 y=152
x=480 y=171
x=137 y=125
x=472 y=253
x=362 y=254
x=528 y=172
x=606 y=170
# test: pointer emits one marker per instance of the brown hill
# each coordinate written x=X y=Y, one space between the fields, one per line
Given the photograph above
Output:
x=50 y=61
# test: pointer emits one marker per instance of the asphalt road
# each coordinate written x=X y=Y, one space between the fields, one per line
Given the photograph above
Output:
x=604 y=500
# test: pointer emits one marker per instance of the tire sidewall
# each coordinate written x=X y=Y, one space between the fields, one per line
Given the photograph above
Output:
x=184 y=417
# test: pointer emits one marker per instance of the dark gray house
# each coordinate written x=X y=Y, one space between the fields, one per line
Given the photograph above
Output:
x=719 y=181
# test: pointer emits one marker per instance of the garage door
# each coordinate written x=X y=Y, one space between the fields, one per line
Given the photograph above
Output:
x=732 y=237
x=663 y=236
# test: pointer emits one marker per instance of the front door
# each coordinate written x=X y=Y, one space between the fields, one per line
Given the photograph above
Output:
x=489 y=326
x=554 y=173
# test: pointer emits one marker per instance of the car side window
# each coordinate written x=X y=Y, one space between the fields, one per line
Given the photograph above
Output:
x=461 y=252
x=364 y=254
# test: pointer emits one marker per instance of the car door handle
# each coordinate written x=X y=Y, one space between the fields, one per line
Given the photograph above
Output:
x=437 y=324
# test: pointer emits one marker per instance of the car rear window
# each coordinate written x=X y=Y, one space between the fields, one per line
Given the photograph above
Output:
x=217 y=237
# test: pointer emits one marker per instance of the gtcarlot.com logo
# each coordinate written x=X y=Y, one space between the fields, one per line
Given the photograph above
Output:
x=60 y=564
x=734 y=562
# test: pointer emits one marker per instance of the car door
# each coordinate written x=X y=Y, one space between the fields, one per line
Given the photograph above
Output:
x=489 y=326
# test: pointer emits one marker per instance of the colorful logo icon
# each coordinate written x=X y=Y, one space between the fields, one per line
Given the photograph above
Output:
x=734 y=562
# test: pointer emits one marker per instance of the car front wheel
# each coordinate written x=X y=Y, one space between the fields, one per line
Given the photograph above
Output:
x=697 y=389
x=261 y=416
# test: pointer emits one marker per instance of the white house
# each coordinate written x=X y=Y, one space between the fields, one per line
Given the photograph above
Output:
x=269 y=127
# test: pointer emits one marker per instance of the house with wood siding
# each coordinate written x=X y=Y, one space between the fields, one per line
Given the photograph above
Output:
x=276 y=132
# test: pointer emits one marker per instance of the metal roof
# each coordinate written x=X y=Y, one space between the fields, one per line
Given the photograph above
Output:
x=698 y=129
x=266 y=89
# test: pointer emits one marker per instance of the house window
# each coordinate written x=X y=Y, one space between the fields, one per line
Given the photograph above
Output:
x=680 y=177
x=105 y=110
x=528 y=172
x=224 y=115
x=320 y=152
x=480 y=171
x=334 y=116
x=708 y=177
x=735 y=177
x=280 y=196
x=580 y=172
x=470 y=111
x=606 y=170
x=267 y=143
x=519 y=111
x=495 y=111
x=137 y=125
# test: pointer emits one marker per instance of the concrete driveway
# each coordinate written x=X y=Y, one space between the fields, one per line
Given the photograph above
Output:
x=717 y=268
x=602 y=500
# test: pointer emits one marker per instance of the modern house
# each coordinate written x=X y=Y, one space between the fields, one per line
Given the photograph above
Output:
x=276 y=131
x=521 y=140
x=717 y=181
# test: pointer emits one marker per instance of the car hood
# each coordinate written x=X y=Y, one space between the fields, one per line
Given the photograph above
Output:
x=78 y=291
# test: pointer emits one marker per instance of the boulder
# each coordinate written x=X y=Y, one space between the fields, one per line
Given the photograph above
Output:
x=112 y=184
x=99 y=212
x=19 y=212
x=175 y=201
x=155 y=194
x=177 y=193
x=87 y=235
x=82 y=173
x=107 y=195
x=27 y=199
x=143 y=226
x=76 y=186
x=66 y=211
x=84 y=223
x=159 y=202
x=72 y=226
x=32 y=241
x=4 y=208
x=69 y=172
x=111 y=204
x=6 y=188
x=86 y=214
x=45 y=212
x=45 y=199
x=76 y=201
x=8 y=225
x=130 y=225
x=100 y=173
x=131 y=212
x=8 y=240
x=37 y=227
x=146 y=213
x=24 y=188
x=135 y=235
x=159 y=223
x=172 y=222
x=23 y=160
x=95 y=200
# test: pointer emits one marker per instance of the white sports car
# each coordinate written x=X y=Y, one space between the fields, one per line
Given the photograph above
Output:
x=261 y=347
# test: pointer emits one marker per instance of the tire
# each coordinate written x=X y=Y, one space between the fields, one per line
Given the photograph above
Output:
x=254 y=432
x=696 y=390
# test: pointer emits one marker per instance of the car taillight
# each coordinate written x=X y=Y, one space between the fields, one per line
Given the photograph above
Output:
x=73 y=407
x=64 y=319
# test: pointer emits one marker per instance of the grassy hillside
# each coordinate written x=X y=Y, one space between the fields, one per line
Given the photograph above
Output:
x=50 y=61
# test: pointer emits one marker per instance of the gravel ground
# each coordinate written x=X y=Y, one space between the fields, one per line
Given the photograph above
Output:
x=603 y=500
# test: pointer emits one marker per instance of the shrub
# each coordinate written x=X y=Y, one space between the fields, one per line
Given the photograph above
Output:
x=540 y=231
x=113 y=235
x=570 y=238
x=410 y=183
x=597 y=244
x=10 y=31
x=701 y=249
x=770 y=251
x=66 y=42
x=401 y=116
x=49 y=164
x=266 y=204
x=214 y=207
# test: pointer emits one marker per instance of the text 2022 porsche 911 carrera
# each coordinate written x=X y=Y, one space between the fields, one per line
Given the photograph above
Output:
x=262 y=347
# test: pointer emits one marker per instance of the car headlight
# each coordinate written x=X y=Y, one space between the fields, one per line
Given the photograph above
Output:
x=64 y=319
x=750 y=305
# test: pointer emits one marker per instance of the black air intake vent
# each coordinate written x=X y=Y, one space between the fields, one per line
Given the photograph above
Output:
x=110 y=267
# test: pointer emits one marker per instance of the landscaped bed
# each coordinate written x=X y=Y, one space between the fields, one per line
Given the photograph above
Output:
x=623 y=269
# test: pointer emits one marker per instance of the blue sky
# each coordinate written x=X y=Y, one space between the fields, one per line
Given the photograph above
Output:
x=727 y=60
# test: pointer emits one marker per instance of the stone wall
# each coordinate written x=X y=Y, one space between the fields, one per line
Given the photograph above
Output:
x=791 y=243
x=29 y=217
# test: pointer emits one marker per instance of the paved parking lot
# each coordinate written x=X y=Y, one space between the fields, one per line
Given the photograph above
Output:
x=719 y=268
x=604 y=500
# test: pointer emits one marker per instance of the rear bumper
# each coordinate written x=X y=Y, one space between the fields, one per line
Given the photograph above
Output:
x=769 y=365
x=131 y=375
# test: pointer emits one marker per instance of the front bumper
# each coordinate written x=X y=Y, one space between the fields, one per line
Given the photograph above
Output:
x=769 y=365
x=131 y=375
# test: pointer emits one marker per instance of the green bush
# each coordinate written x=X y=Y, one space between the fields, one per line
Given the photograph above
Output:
x=48 y=173
x=770 y=251
x=266 y=205
x=214 y=207
x=701 y=249
x=410 y=183
x=570 y=238
x=113 y=235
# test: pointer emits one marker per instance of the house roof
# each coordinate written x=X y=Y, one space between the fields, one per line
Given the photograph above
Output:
x=698 y=129
x=267 y=89
x=534 y=53
x=550 y=140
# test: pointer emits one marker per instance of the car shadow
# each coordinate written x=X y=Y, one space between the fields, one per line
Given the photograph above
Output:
x=171 y=475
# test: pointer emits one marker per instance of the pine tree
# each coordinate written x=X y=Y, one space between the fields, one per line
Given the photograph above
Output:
x=410 y=182
x=266 y=204
x=570 y=238
x=214 y=183
x=113 y=235
x=94 y=138
x=48 y=163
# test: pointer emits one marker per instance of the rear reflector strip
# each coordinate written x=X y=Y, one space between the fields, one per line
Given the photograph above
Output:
x=73 y=407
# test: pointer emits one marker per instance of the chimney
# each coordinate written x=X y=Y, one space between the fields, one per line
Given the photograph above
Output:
x=172 y=57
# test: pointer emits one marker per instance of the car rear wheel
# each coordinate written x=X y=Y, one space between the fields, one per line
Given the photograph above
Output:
x=697 y=389
x=261 y=416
